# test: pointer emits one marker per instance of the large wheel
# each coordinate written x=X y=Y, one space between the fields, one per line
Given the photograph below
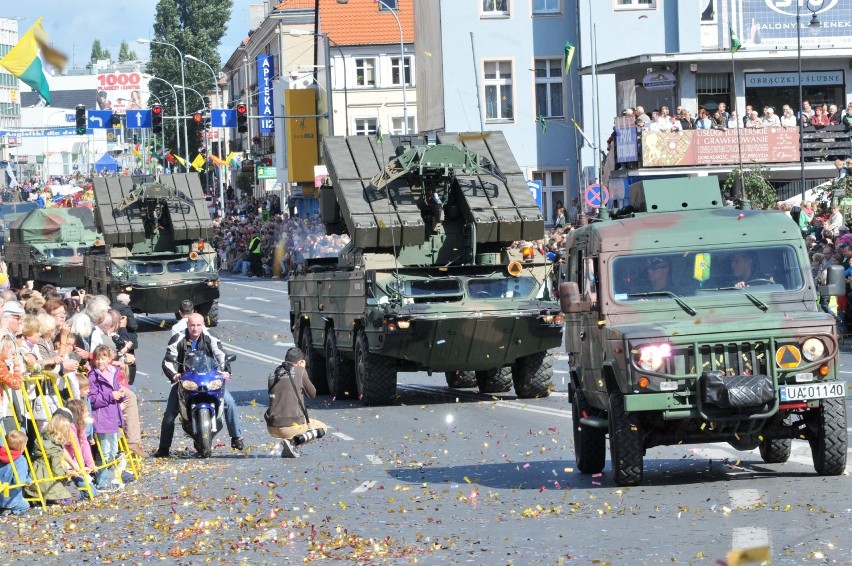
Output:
x=626 y=447
x=589 y=442
x=211 y=317
x=828 y=437
x=495 y=380
x=314 y=362
x=532 y=375
x=340 y=375
x=374 y=374
x=460 y=379
x=204 y=432
x=775 y=450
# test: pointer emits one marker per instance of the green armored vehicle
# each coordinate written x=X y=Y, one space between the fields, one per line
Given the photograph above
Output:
x=687 y=322
x=155 y=245
x=430 y=280
x=9 y=212
x=47 y=245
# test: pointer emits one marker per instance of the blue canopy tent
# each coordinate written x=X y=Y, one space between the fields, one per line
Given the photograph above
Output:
x=106 y=162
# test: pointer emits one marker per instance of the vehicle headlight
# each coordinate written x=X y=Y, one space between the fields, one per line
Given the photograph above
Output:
x=813 y=349
x=189 y=385
x=215 y=385
x=653 y=356
x=403 y=324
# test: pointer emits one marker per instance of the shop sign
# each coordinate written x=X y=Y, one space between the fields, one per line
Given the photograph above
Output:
x=659 y=80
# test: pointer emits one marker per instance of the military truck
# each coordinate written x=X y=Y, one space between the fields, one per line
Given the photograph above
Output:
x=430 y=280
x=9 y=212
x=155 y=245
x=690 y=322
x=47 y=245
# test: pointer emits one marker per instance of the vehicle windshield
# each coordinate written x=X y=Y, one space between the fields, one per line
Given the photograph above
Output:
x=687 y=273
x=188 y=266
x=501 y=288
x=421 y=288
x=60 y=252
x=199 y=362
x=137 y=267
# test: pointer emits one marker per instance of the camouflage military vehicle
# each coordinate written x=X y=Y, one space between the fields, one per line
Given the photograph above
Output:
x=9 y=212
x=155 y=245
x=47 y=245
x=687 y=322
x=429 y=280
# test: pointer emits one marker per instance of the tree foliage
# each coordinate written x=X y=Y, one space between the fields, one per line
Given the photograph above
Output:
x=125 y=53
x=756 y=188
x=99 y=53
x=194 y=27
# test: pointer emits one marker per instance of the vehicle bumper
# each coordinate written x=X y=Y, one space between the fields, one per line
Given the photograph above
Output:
x=61 y=275
x=166 y=298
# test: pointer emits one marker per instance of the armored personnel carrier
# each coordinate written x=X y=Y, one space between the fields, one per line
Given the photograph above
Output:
x=155 y=245
x=47 y=245
x=430 y=280
x=690 y=322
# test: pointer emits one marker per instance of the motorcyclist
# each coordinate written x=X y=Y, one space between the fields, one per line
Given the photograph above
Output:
x=194 y=339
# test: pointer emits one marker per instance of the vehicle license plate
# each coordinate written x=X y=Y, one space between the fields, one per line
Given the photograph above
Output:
x=808 y=391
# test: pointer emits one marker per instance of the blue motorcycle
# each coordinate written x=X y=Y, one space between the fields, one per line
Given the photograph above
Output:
x=201 y=393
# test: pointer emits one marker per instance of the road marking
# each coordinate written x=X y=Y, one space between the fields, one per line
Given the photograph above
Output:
x=749 y=537
x=230 y=282
x=252 y=354
x=224 y=306
x=247 y=311
x=560 y=371
x=342 y=436
x=258 y=299
x=504 y=403
x=367 y=485
x=744 y=498
x=285 y=344
x=374 y=460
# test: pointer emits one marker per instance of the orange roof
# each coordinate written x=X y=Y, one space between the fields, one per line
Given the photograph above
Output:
x=295 y=5
x=362 y=22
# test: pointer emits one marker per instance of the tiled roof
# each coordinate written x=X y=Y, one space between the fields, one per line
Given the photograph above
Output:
x=295 y=5
x=361 y=22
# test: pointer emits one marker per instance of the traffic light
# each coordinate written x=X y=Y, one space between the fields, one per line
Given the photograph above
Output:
x=115 y=120
x=80 y=119
x=157 y=119
x=198 y=118
x=207 y=121
x=135 y=139
x=242 y=118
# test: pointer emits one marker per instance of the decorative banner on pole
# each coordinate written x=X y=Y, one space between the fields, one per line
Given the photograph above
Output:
x=264 y=91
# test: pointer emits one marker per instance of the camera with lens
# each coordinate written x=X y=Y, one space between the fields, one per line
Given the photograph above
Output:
x=119 y=342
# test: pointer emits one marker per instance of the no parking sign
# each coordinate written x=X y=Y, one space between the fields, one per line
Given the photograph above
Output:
x=596 y=196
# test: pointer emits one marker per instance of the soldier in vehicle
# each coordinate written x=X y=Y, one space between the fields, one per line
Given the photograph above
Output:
x=432 y=208
x=742 y=269
x=656 y=277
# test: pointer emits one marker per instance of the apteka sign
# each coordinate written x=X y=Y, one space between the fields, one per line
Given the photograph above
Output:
x=264 y=91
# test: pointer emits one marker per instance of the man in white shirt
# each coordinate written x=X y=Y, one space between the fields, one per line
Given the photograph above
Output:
x=186 y=309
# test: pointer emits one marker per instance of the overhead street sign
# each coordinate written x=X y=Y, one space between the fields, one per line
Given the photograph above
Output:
x=138 y=118
x=99 y=118
x=223 y=118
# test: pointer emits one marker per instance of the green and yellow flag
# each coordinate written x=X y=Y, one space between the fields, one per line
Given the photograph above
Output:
x=735 y=42
x=24 y=62
x=569 y=55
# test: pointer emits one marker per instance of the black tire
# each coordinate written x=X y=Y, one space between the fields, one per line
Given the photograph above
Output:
x=211 y=317
x=746 y=442
x=828 y=437
x=495 y=380
x=375 y=374
x=460 y=379
x=532 y=375
x=204 y=426
x=626 y=447
x=314 y=362
x=589 y=442
x=339 y=374
x=775 y=450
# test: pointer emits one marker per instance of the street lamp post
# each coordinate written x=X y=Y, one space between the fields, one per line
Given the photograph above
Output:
x=328 y=44
x=218 y=105
x=183 y=93
x=198 y=94
x=814 y=28
x=402 y=65
x=177 y=125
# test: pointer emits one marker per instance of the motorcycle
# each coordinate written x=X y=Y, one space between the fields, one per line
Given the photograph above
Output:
x=201 y=393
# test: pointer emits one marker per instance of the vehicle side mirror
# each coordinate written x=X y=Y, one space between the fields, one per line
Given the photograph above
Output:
x=835 y=282
x=569 y=298
x=230 y=358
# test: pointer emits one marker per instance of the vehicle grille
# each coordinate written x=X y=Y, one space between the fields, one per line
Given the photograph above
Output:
x=743 y=358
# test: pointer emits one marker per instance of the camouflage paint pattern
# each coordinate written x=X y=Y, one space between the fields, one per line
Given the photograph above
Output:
x=418 y=292
x=155 y=249
x=710 y=325
x=47 y=245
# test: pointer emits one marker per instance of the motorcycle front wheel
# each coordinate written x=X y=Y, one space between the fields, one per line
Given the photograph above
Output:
x=203 y=425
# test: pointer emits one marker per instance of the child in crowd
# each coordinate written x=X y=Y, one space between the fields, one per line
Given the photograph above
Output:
x=79 y=414
x=106 y=394
x=49 y=462
x=12 y=455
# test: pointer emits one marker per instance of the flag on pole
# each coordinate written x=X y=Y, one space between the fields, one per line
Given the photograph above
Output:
x=198 y=162
x=23 y=60
x=232 y=160
x=379 y=136
x=13 y=182
x=216 y=161
x=735 y=42
x=180 y=160
x=542 y=123
x=569 y=54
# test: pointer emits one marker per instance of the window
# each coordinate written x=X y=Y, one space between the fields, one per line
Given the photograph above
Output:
x=365 y=126
x=396 y=124
x=495 y=7
x=499 y=102
x=387 y=5
x=545 y=6
x=635 y=4
x=365 y=72
x=396 y=71
x=552 y=192
x=708 y=11
x=548 y=88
